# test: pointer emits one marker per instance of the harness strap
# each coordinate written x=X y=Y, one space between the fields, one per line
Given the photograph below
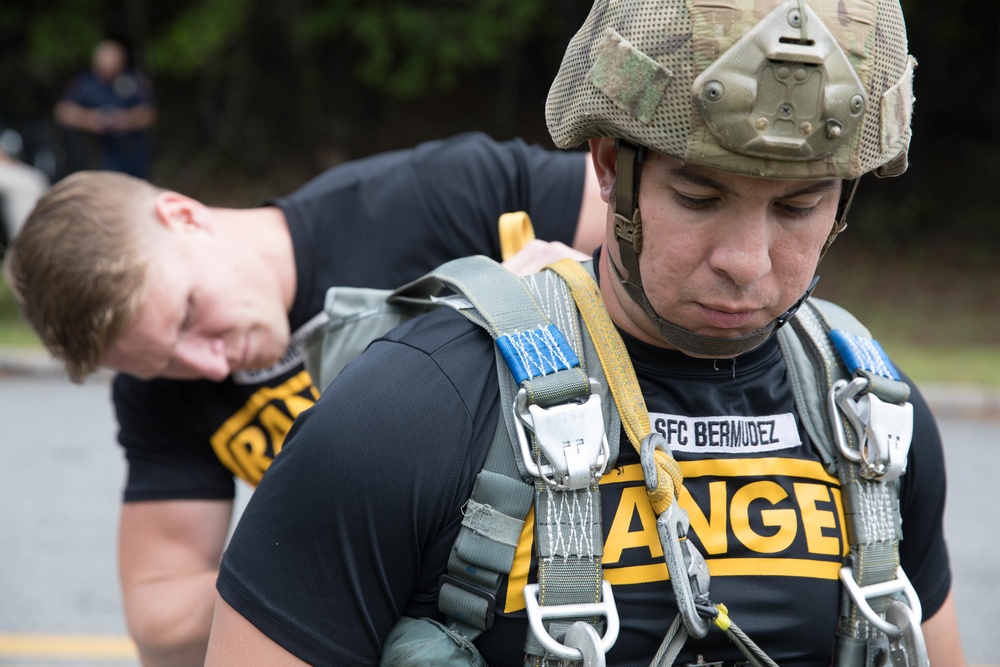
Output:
x=548 y=377
x=871 y=504
x=621 y=377
x=501 y=500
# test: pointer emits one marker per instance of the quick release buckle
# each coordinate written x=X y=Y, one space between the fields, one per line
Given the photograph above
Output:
x=884 y=430
x=570 y=435
x=581 y=641
x=489 y=614
x=689 y=575
x=902 y=620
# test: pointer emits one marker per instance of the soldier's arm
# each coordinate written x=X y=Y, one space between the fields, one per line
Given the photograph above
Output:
x=169 y=554
x=235 y=641
x=941 y=635
x=77 y=117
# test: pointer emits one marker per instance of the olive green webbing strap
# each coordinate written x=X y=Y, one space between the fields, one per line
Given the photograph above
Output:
x=569 y=542
x=569 y=537
x=628 y=220
x=871 y=507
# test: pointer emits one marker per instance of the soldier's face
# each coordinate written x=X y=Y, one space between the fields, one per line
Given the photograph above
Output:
x=204 y=314
x=723 y=254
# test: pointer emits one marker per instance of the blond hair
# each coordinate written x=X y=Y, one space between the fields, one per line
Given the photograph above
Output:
x=76 y=268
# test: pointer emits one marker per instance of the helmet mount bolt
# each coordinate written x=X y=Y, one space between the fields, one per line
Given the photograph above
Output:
x=795 y=18
x=714 y=91
x=833 y=129
x=785 y=110
x=762 y=124
x=806 y=128
x=857 y=104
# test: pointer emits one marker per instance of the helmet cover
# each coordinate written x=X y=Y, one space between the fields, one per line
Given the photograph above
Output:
x=792 y=89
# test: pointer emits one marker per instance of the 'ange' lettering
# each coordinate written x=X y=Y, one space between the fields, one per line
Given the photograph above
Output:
x=733 y=435
x=762 y=516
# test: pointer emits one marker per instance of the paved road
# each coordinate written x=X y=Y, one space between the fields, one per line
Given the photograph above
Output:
x=61 y=477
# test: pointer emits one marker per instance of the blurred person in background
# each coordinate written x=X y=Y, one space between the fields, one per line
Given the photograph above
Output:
x=20 y=184
x=113 y=103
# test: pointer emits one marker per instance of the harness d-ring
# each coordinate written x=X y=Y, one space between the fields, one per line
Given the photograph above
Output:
x=606 y=608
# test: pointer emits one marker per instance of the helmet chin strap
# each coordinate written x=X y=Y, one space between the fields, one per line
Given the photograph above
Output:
x=628 y=231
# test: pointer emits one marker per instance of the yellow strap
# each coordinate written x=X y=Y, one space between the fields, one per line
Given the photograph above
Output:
x=621 y=377
x=515 y=232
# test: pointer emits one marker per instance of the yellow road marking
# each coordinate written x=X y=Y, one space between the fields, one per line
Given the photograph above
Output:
x=66 y=646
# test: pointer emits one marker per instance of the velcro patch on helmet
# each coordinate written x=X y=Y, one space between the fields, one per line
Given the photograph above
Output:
x=897 y=109
x=631 y=79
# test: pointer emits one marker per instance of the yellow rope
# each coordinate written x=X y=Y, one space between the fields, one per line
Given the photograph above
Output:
x=621 y=378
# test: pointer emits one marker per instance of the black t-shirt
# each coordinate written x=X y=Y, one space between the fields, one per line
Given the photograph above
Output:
x=377 y=222
x=354 y=523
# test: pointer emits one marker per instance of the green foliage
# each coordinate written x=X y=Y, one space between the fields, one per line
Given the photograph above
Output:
x=197 y=35
x=12 y=19
x=951 y=365
x=14 y=330
x=8 y=304
x=63 y=36
x=410 y=49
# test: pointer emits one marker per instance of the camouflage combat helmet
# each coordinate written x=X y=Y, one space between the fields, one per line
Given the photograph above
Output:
x=786 y=89
x=780 y=89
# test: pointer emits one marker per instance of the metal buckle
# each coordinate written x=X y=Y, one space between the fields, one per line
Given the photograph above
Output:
x=884 y=430
x=571 y=436
x=688 y=570
x=898 y=585
x=579 y=644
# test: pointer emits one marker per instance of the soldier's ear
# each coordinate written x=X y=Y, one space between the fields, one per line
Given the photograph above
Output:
x=177 y=212
x=604 y=154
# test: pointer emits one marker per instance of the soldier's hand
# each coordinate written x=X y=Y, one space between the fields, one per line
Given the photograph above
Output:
x=538 y=254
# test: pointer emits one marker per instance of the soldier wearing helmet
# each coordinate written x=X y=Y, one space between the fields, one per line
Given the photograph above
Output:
x=815 y=92
x=728 y=137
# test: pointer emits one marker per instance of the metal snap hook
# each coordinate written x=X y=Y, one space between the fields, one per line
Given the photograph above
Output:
x=908 y=649
x=583 y=637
